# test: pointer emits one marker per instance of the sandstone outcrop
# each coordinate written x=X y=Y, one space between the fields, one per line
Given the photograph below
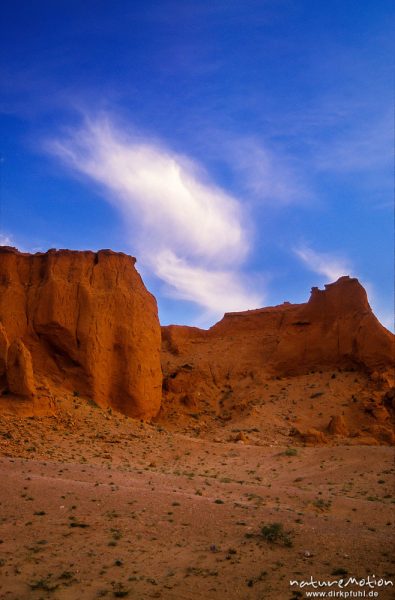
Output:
x=20 y=378
x=227 y=369
x=81 y=322
x=337 y=426
x=310 y=437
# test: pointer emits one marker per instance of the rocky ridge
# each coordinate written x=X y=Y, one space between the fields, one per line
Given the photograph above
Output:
x=231 y=370
x=83 y=324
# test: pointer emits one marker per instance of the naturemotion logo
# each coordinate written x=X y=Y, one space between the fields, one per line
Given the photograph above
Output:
x=337 y=588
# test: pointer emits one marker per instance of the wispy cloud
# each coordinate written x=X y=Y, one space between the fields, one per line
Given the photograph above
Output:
x=190 y=233
x=326 y=264
x=6 y=240
x=219 y=291
x=269 y=176
x=259 y=166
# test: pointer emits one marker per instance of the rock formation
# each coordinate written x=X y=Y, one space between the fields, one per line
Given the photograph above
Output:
x=335 y=328
x=81 y=322
x=19 y=370
x=226 y=369
x=337 y=426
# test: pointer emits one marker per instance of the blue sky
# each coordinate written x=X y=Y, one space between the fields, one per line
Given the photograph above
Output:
x=242 y=150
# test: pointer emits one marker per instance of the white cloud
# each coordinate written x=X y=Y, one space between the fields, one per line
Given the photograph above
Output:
x=263 y=169
x=325 y=264
x=6 y=240
x=190 y=233
x=219 y=291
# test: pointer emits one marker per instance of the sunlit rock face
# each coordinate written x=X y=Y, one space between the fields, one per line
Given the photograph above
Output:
x=225 y=369
x=81 y=322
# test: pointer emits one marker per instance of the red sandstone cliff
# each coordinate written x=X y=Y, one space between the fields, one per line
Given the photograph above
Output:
x=227 y=367
x=79 y=321
x=83 y=323
x=335 y=328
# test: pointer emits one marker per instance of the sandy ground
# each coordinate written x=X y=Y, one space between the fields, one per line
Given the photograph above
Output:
x=98 y=505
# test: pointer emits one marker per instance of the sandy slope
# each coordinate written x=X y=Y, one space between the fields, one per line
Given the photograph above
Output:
x=98 y=505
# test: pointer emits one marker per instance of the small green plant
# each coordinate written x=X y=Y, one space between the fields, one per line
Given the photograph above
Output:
x=290 y=452
x=322 y=504
x=275 y=533
x=43 y=584
x=120 y=591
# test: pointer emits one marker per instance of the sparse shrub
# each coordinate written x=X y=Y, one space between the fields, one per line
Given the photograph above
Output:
x=43 y=584
x=120 y=593
x=322 y=504
x=290 y=452
x=275 y=533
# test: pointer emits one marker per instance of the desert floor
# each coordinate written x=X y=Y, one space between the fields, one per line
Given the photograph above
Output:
x=97 y=505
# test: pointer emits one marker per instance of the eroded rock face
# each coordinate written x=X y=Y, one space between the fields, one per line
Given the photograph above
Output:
x=225 y=370
x=19 y=372
x=3 y=351
x=88 y=323
x=337 y=426
x=335 y=328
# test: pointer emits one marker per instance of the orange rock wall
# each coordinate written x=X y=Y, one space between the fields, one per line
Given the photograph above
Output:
x=83 y=321
x=336 y=328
